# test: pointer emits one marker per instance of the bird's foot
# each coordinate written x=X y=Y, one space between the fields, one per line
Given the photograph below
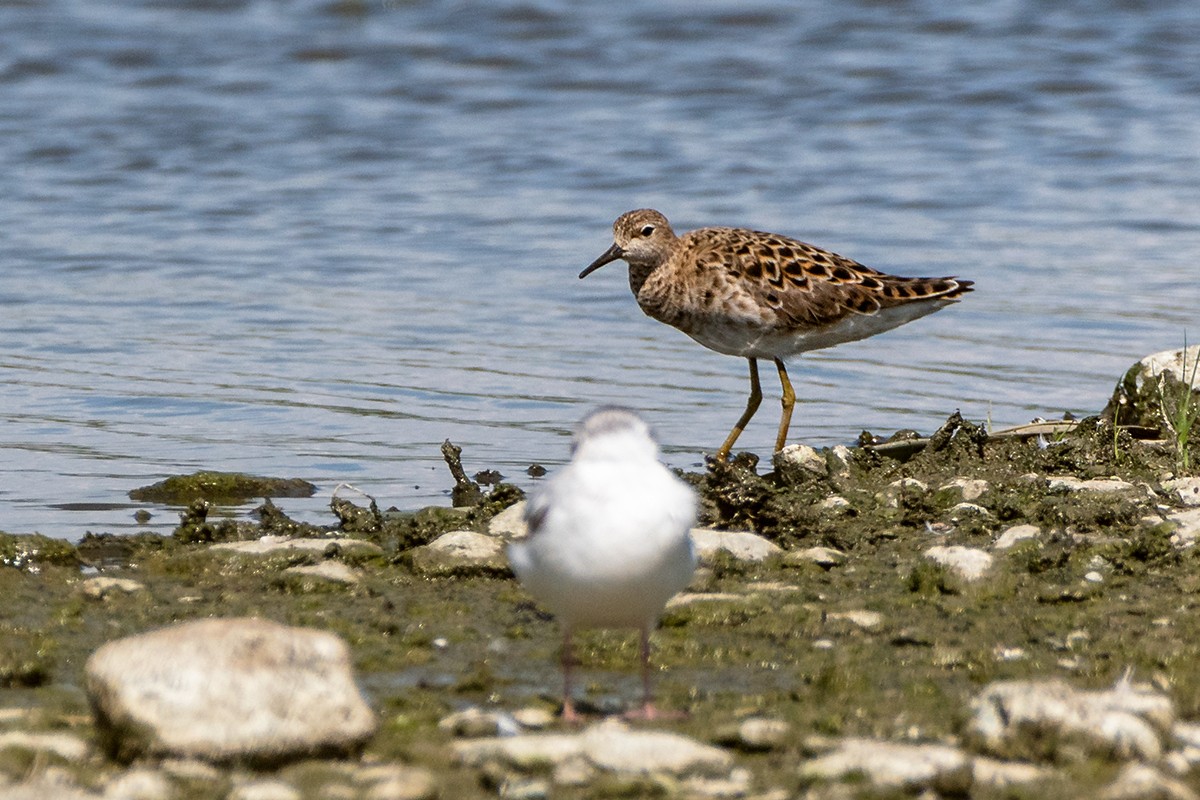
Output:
x=570 y=716
x=652 y=713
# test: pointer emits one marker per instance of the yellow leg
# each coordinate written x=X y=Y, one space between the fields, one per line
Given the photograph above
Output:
x=789 y=402
x=751 y=406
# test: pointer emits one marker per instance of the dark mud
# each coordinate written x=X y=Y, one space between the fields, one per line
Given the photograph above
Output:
x=427 y=646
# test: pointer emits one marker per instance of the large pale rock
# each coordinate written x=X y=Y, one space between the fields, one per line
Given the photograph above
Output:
x=459 y=552
x=739 y=544
x=1051 y=719
x=1016 y=534
x=1185 y=490
x=1143 y=782
x=141 y=783
x=328 y=571
x=756 y=734
x=909 y=767
x=510 y=523
x=796 y=462
x=1002 y=774
x=103 y=587
x=967 y=489
x=264 y=789
x=1102 y=485
x=608 y=746
x=896 y=491
x=1153 y=386
x=397 y=782
x=968 y=563
x=61 y=745
x=227 y=690
x=48 y=784
x=1187 y=528
x=861 y=618
x=825 y=557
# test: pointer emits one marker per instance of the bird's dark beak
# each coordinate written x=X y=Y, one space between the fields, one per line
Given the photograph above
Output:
x=611 y=254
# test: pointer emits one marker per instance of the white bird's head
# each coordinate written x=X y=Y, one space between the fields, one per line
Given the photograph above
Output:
x=613 y=433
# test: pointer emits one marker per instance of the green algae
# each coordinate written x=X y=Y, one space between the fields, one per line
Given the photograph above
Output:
x=32 y=552
x=220 y=488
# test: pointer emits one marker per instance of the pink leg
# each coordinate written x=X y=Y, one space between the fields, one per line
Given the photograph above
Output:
x=649 y=710
x=568 y=661
x=647 y=698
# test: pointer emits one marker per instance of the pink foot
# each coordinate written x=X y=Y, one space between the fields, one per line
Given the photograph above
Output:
x=650 y=713
x=571 y=716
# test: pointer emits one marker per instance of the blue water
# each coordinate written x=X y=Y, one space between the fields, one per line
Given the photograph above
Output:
x=315 y=239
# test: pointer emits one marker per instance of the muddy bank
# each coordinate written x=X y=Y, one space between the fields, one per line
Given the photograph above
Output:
x=912 y=578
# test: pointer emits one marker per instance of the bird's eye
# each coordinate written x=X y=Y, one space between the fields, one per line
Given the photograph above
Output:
x=646 y=231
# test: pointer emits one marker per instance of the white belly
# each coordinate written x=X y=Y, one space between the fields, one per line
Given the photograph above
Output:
x=754 y=341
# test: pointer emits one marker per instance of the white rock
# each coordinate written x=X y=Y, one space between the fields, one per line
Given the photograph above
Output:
x=103 y=586
x=533 y=718
x=1002 y=774
x=1187 y=528
x=191 y=770
x=62 y=745
x=762 y=733
x=608 y=746
x=467 y=545
x=1093 y=485
x=270 y=545
x=841 y=455
x=734 y=785
x=140 y=784
x=1017 y=533
x=970 y=488
x=615 y=748
x=470 y=722
x=9 y=716
x=48 y=784
x=397 y=782
x=910 y=767
x=510 y=523
x=867 y=620
x=960 y=510
x=692 y=598
x=801 y=456
x=821 y=556
x=1185 y=490
x=900 y=488
x=530 y=752
x=459 y=550
x=1050 y=719
x=1094 y=577
x=1186 y=733
x=739 y=544
x=967 y=562
x=329 y=570
x=222 y=689
x=264 y=790
x=1143 y=782
x=1138 y=397
x=835 y=502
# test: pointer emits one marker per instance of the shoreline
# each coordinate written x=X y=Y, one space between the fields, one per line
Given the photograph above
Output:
x=879 y=595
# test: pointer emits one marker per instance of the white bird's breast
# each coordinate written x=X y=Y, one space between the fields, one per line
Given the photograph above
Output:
x=613 y=545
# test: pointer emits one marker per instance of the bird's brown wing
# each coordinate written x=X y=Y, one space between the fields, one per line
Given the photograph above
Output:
x=807 y=286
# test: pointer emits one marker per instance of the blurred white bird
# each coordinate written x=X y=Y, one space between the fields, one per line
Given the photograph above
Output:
x=609 y=539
